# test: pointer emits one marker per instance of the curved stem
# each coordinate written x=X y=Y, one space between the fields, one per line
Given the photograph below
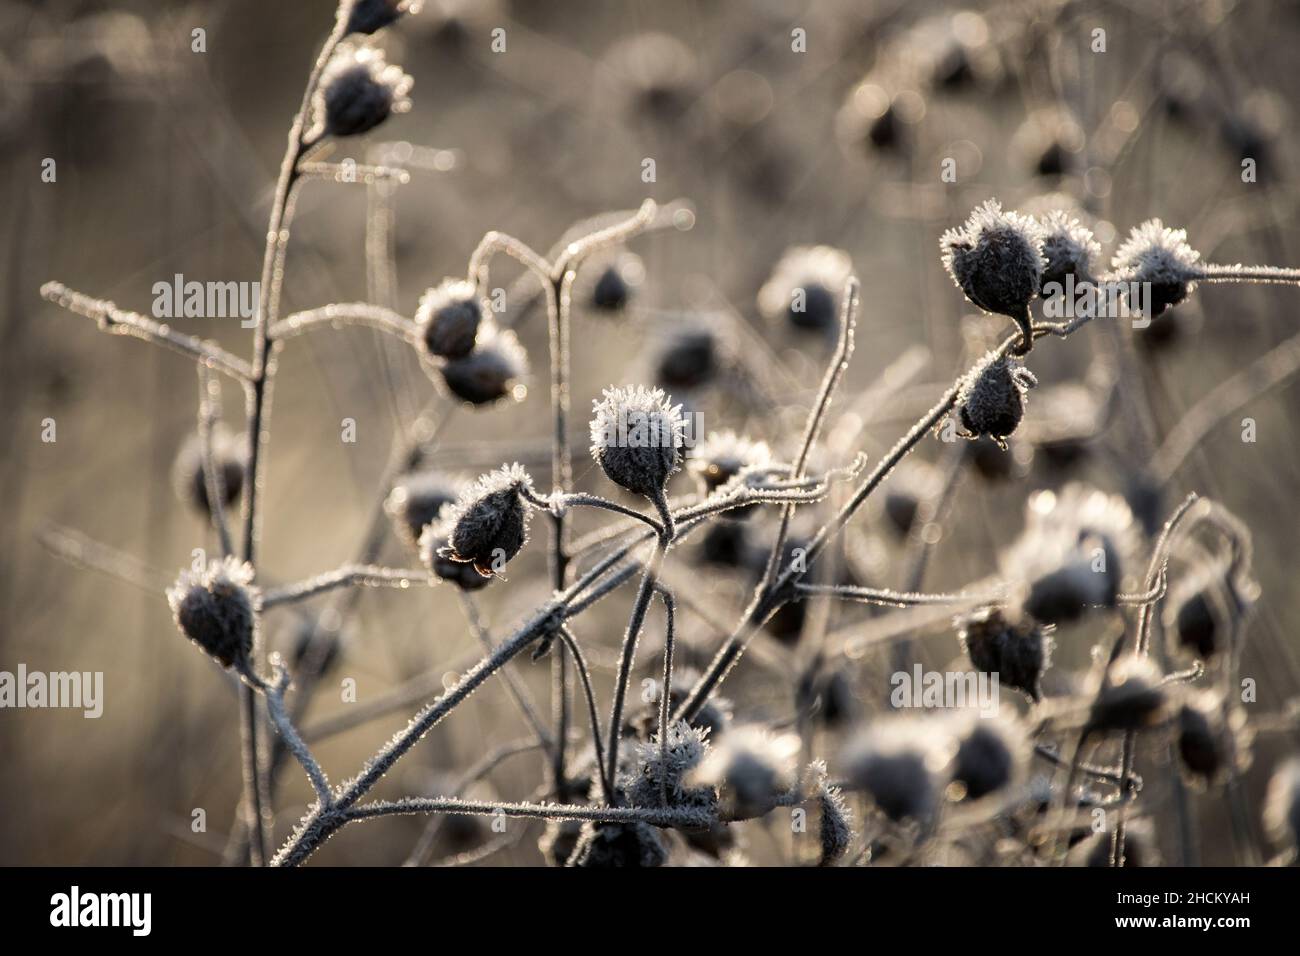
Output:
x=648 y=581
x=345 y=313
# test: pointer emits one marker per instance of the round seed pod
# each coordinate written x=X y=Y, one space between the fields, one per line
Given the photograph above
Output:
x=1160 y=260
x=416 y=501
x=996 y=259
x=491 y=372
x=637 y=438
x=751 y=769
x=558 y=841
x=836 y=830
x=488 y=524
x=657 y=75
x=991 y=754
x=1069 y=250
x=689 y=358
x=913 y=482
x=1132 y=698
x=725 y=543
x=448 y=318
x=1212 y=738
x=359 y=90
x=1073 y=553
x=720 y=458
x=805 y=288
x=651 y=771
x=371 y=16
x=1095 y=849
x=214 y=609
x=603 y=845
x=433 y=546
x=1192 y=614
x=902 y=765
x=992 y=398
x=229 y=455
x=1017 y=649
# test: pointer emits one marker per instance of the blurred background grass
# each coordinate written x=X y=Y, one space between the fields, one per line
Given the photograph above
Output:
x=165 y=162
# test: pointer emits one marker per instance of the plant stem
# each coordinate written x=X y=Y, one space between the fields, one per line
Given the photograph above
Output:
x=648 y=581
x=277 y=236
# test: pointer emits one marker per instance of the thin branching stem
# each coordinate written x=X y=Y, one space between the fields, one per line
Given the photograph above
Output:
x=649 y=578
x=121 y=322
x=350 y=575
x=817 y=415
x=681 y=817
x=593 y=715
x=345 y=313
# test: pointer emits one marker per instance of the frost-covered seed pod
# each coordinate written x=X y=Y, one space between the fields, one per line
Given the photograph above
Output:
x=359 y=90
x=637 y=438
x=488 y=524
x=448 y=318
x=214 y=608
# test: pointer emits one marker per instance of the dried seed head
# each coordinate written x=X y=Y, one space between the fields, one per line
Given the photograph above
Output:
x=370 y=16
x=1212 y=737
x=558 y=841
x=991 y=754
x=1132 y=698
x=488 y=524
x=651 y=773
x=1073 y=553
x=433 y=545
x=229 y=456
x=1282 y=804
x=836 y=823
x=1015 y=647
x=752 y=770
x=1160 y=258
x=902 y=764
x=689 y=358
x=610 y=281
x=214 y=609
x=826 y=696
x=1139 y=847
x=1069 y=249
x=725 y=544
x=996 y=259
x=1062 y=422
x=359 y=90
x=637 y=438
x=448 y=318
x=913 y=482
x=492 y=371
x=713 y=717
x=602 y=845
x=992 y=399
x=1049 y=142
x=721 y=457
x=416 y=501
x=805 y=288
x=1192 y=613
x=998 y=461
x=659 y=74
